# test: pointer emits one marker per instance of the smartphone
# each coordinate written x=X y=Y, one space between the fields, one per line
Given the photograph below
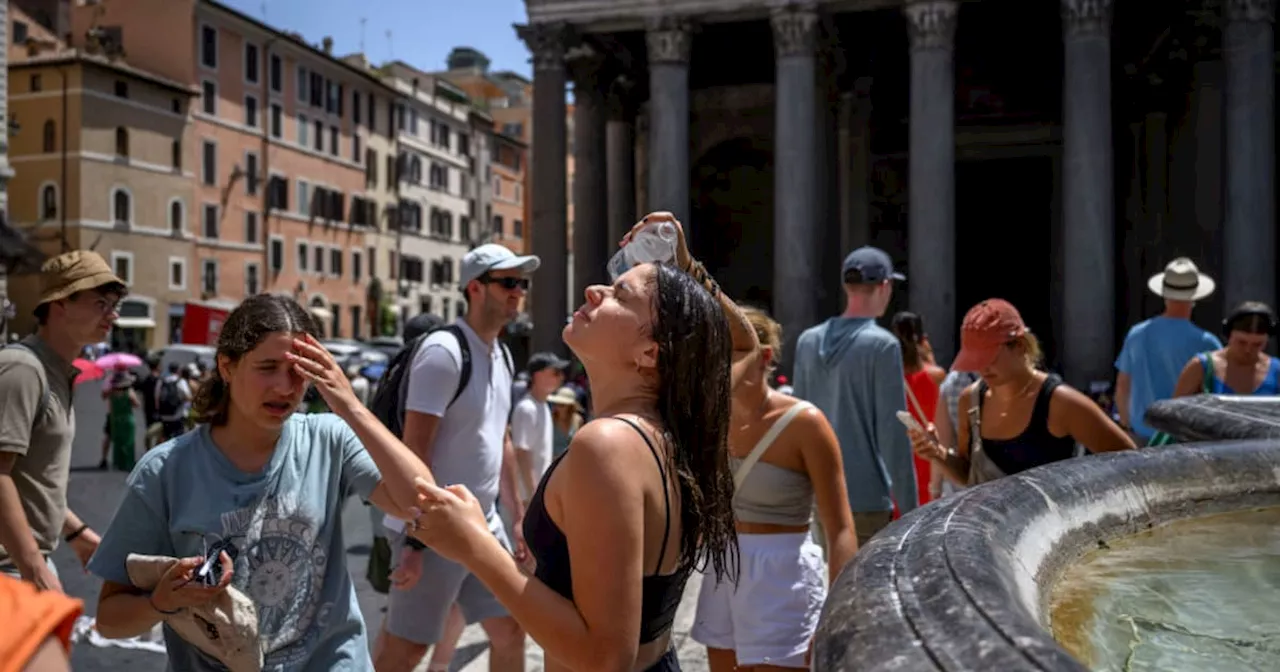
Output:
x=909 y=420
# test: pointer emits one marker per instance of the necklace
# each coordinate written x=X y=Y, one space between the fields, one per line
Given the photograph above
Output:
x=1019 y=395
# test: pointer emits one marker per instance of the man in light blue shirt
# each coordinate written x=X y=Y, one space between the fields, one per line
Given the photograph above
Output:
x=851 y=369
x=1155 y=350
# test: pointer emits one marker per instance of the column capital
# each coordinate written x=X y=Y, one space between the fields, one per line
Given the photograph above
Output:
x=931 y=24
x=622 y=99
x=547 y=42
x=795 y=30
x=1250 y=11
x=670 y=40
x=587 y=66
x=1086 y=18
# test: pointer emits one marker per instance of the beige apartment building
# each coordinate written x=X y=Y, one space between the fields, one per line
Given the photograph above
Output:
x=508 y=180
x=101 y=164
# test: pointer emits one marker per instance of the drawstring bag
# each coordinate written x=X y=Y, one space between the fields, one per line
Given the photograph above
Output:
x=1165 y=438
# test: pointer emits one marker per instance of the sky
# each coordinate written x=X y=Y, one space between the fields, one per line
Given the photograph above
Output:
x=422 y=32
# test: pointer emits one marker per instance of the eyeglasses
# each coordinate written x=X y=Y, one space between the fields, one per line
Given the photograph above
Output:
x=506 y=283
x=210 y=571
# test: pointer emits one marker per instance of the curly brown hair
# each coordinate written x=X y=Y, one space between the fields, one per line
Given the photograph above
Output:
x=246 y=327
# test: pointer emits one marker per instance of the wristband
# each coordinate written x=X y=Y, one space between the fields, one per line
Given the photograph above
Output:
x=151 y=601
x=79 y=531
x=414 y=544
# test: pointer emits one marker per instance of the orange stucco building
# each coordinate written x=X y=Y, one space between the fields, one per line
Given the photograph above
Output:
x=285 y=182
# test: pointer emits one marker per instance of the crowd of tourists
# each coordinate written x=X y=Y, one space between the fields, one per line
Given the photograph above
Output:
x=572 y=513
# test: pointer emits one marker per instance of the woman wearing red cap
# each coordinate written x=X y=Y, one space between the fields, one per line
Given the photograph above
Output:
x=1017 y=416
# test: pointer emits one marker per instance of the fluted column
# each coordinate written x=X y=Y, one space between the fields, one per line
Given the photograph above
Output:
x=590 y=199
x=1249 y=234
x=549 y=201
x=669 y=43
x=1088 y=310
x=620 y=153
x=931 y=200
x=797 y=233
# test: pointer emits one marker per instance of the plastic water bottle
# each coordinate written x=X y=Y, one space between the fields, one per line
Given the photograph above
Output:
x=652 y=244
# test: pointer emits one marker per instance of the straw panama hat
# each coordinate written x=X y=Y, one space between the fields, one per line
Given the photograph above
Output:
x=1181 y=281
x=73 y=272
x=564 y=396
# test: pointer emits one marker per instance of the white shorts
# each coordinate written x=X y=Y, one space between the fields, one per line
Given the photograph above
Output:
x=773 y=612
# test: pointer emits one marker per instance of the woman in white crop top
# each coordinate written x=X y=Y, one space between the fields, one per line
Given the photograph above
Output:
x=785 y=457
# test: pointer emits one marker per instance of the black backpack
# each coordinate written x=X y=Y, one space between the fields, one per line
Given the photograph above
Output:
x=169 y=399
x=388 y=402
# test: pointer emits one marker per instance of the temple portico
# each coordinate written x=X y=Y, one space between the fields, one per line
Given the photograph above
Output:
x=1054 y=152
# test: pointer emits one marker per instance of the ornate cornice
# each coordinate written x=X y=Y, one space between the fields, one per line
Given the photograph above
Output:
x=547 y=43
x=1250 y=11
x=795 y=30
x=1086 y=18
x=670 y=40
x=931 y=24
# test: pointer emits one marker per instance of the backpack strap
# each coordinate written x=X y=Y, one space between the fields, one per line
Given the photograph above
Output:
x=765 y=441
x=464 y=366
x=46 y=394
x=1206 y=363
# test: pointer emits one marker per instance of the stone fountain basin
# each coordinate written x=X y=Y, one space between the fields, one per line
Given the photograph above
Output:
x=965 y=583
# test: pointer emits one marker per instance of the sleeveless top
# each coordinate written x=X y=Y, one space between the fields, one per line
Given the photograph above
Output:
x=1270 y=384
x=660 y=593
x=769 y=493
x=1035 y=446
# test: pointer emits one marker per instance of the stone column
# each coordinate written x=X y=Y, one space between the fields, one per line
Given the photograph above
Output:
x=590 y=198
x=620 y=153
x=931 y=219
x=797 y=233
x=1088 y=311
x=856 y=161
x=549 y=202
x=669 y=42
x=1249 y=241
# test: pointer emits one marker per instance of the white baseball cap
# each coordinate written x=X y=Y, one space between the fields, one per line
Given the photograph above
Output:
x=494 y=257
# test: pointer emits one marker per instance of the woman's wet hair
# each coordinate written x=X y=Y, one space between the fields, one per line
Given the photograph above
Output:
x=909 y=328
x=695 y=354
x=1253 y=317
x=768 y=331
x=248 y=325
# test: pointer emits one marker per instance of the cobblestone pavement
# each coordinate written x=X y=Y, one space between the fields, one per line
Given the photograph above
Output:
x=94 y=495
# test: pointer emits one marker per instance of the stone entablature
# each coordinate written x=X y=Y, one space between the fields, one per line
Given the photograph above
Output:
x=600 y=16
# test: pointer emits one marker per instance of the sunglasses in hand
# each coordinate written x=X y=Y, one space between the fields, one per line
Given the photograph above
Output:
x=209 y=573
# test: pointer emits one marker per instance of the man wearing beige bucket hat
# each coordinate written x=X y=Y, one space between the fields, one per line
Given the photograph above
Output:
x=77 y=306
x=1155 y=350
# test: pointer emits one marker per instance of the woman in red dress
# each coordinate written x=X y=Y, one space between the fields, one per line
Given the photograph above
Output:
x=922 y=378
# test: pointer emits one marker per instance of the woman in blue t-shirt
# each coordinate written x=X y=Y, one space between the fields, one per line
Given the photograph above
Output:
x=251 y=502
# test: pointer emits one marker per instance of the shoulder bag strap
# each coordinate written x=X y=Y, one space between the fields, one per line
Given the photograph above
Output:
x=46 y=393
x=765 y=441
x=916 y=403
x=975 y=421
x=1206 y=362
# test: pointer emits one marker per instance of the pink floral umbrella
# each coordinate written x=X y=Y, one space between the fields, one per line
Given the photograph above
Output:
x=89 y=371
x=116 y=359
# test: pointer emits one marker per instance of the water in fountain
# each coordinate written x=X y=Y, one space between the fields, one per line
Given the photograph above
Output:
x=1192 y=595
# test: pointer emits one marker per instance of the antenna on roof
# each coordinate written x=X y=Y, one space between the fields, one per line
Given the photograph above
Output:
x=391 y=47
x=362 y=22
x=264 y=11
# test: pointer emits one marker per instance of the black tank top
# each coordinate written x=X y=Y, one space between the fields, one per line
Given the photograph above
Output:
x=1035 y=446
x=661 y=593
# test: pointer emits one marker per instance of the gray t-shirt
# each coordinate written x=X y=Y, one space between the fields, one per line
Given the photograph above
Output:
x=286 y=522
x=37 y=423
x=468 y=444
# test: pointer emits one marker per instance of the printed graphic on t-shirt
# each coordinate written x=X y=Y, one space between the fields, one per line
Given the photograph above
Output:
x=281 y=568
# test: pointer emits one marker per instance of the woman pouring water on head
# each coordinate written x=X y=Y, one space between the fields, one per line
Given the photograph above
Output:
x=251 y=502
x=643 y=494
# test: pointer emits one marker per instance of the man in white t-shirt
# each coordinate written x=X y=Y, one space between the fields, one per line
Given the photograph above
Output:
x=457 y=405
x=531 y=421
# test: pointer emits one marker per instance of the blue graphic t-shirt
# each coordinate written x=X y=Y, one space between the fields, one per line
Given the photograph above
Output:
x=286 y=523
